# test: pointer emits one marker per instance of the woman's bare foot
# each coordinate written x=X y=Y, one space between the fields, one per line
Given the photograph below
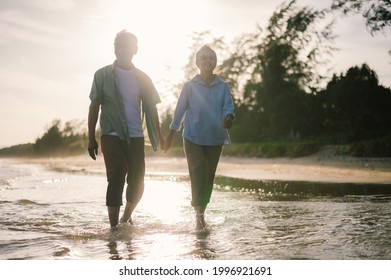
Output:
x=124 y=220
x=200 y=221
x=126 y=216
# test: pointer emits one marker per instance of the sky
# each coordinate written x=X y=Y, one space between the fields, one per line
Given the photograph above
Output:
x=50 y=49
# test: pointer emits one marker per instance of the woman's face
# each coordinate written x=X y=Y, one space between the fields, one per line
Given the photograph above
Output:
x=206 y=60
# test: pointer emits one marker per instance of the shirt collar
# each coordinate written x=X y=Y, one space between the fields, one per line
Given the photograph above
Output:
x=132 y=67
x=217 y=80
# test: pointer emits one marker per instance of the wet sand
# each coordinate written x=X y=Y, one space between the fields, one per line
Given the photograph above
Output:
x=321 y=167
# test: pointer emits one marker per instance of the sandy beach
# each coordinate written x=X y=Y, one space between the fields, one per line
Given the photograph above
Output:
x=321 y=167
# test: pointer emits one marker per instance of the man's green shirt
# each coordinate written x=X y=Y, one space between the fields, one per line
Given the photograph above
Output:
x=112 y=117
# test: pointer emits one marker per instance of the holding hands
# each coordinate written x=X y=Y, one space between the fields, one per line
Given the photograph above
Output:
x=167 y=143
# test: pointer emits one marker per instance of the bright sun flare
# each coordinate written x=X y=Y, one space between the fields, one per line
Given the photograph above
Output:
x=162 y=52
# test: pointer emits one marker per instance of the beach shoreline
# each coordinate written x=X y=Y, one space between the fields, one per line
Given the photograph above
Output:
x=54 y=209
x=321 y=167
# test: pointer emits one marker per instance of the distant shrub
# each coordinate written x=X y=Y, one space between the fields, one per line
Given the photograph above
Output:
x=372 y=148
x=272 y=149
x=21 y=150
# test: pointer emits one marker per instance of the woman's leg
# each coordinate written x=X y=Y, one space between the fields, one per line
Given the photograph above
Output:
x=202 y=163
x=196 y=164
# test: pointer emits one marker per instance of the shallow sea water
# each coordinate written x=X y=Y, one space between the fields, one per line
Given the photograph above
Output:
x=49 y=215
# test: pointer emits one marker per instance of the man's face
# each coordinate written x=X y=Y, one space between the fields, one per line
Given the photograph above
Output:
x=125 y=49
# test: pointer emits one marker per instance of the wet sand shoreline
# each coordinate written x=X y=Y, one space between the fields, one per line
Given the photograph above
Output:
x=316 y=168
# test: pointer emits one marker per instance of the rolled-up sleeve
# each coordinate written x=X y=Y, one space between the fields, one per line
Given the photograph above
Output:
x=228 y=108
x=95 y=94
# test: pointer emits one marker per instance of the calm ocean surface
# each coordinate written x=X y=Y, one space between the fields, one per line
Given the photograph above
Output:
x=48 y=215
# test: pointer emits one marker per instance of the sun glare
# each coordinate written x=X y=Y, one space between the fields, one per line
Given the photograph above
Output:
x=159 y=27
x=166 y=201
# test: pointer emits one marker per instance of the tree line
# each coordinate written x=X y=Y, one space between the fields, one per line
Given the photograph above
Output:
x=59 y=139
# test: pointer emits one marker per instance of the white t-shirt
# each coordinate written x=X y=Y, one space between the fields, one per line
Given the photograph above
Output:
x=130 y=92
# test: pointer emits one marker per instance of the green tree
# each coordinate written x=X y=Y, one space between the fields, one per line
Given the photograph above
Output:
x=51 y=141
x=280 y=66
x=59 y=139
x=357 y=107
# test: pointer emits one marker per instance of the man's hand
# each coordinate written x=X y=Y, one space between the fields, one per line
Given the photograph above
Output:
x=93 y=114
x=93 y=148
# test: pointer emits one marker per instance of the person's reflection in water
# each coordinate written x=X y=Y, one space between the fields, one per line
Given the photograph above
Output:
x=113 y=251
x=121 y=237
x=203 y=250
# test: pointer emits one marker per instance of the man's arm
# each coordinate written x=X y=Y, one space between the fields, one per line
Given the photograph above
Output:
x=93 y=114
x=157 y=127
x=168 y=142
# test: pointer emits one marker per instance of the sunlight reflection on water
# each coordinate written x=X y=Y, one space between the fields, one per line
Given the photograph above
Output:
x=52 y=215
x=165 y=200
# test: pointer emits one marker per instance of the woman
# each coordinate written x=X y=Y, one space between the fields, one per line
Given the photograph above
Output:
x=205 y=106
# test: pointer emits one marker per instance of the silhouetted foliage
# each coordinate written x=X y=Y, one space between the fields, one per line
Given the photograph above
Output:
x=280 y=64
x=377 y=13
x=356 y=105
x=58 y=139
x=21 y=150
x=50 y=141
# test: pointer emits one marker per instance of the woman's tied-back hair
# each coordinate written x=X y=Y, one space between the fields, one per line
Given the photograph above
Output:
x=125 y=36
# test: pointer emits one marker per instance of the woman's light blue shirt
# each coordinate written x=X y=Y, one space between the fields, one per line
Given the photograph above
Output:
x=202 y=110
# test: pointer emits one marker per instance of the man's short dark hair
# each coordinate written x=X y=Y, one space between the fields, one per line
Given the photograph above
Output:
x=125 y=36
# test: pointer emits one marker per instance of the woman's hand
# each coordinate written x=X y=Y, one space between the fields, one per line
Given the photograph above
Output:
x=228 y=121
x=168 y=142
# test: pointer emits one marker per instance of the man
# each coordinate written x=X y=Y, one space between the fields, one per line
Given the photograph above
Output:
x=125 y=95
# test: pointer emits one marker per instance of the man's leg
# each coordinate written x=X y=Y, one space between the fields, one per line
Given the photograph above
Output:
x=135 y=179
x=113 y=212
x=114 y=152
